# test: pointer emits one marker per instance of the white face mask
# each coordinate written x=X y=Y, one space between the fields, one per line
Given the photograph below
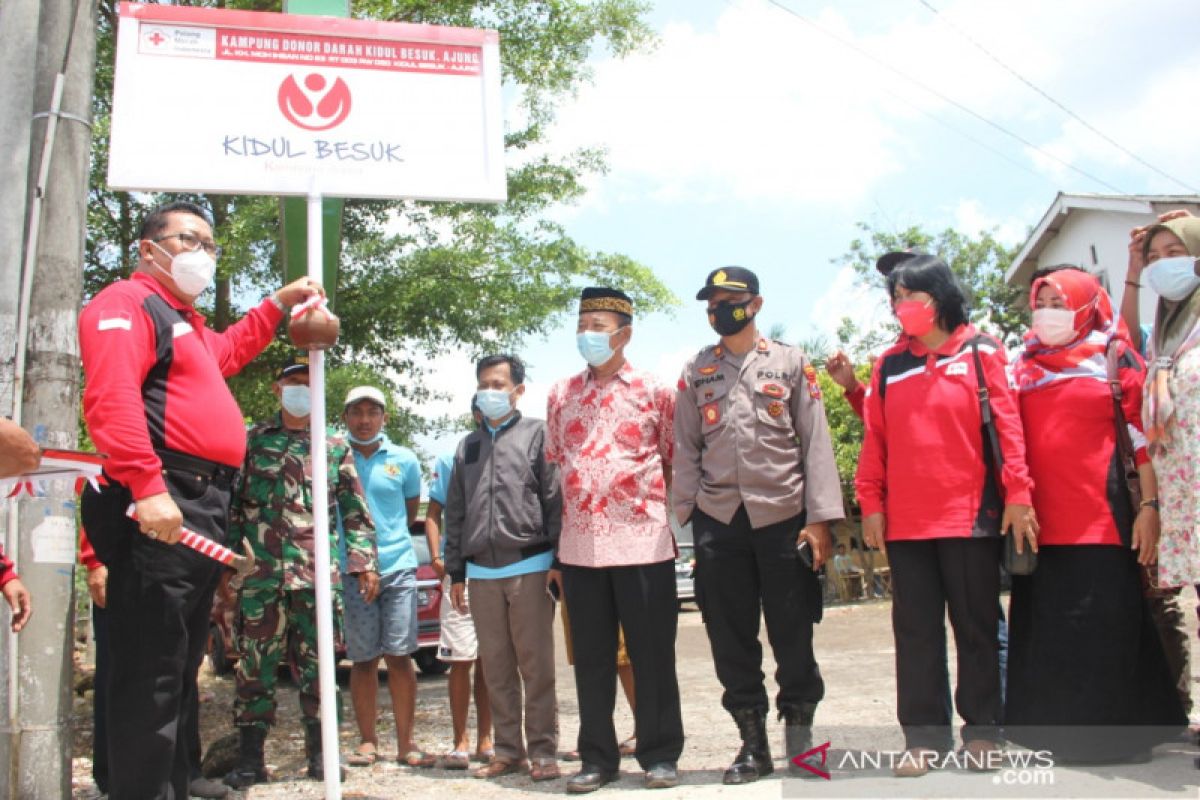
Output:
x=192 y=270
x=1054 y=326
x=1173 y=278
x=296 y=400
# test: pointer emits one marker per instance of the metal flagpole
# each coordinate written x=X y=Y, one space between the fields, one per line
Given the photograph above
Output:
x=320 y=500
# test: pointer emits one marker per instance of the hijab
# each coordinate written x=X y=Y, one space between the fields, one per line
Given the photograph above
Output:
x=1176 y=330
x=1085 y=355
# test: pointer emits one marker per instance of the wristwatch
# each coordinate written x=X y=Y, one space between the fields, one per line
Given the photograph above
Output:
x=1150 y=503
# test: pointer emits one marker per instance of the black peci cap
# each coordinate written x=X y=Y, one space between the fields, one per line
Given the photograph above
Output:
x=734 y=279
x=602 y=298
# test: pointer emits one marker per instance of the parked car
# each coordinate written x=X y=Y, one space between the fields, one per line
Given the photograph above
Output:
x=685 y=562
x=685 y=573
x=429 y=605
x=222 y=643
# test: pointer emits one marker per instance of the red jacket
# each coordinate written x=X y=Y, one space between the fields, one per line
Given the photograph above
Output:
x=922 y=461
x=7 y=573
x=1071 y=440
x=189 y=409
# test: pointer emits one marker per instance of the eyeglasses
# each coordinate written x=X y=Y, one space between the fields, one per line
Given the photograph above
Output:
x=193 y=243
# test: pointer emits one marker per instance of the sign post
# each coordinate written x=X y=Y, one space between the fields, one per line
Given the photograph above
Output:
x=310 y=107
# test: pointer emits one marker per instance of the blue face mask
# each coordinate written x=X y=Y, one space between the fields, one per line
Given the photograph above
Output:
x=1173 y=278
x=364 y=442
x=494 y=404
x=296 y=401
x=594 y=346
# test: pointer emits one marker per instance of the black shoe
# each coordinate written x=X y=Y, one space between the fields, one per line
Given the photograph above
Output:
x=314 y=753
x=589 y=779
x=250 y=768
x=662 y=776
x=797 y=735
x=753 y=760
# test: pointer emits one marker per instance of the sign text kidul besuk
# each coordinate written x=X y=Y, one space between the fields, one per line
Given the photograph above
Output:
x=243 y=102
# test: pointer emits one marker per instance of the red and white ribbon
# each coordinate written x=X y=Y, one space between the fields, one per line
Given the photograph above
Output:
x=201 y=544
x=317 y=302
x=57 y=465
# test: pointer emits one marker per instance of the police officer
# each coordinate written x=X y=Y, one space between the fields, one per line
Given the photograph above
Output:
x=753 y=467
x=272 y=510
x=156 y=402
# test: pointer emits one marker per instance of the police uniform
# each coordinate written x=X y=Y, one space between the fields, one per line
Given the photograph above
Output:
x=753 y=464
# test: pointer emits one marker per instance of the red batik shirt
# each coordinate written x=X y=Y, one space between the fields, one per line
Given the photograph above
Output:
x=612 y=440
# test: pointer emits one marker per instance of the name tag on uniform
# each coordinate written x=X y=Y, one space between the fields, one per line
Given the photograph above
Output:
x=181 y=328
x=957 y=368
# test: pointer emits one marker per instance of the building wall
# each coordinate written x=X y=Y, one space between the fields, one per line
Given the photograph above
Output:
x=1099 y=241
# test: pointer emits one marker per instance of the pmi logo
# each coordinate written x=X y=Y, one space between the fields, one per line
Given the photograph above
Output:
x=314 y=104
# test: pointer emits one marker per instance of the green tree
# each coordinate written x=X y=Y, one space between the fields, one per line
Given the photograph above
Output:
x=417 y=279
x=980 y=263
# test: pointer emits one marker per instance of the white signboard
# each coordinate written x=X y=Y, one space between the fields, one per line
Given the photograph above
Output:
x=243 y=102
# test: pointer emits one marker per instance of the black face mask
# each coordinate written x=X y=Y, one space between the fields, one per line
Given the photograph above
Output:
x=729 y=318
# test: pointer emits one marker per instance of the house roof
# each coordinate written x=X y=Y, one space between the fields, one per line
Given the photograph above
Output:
x=1052 y=221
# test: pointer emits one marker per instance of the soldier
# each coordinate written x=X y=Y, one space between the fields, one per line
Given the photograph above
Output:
x=753 y=466
x=272 y=509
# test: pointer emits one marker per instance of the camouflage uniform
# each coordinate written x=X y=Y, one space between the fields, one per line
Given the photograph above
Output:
x=272 y=509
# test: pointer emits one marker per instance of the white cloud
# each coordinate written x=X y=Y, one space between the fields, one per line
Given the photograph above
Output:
x=971 y=218
x=865 y=305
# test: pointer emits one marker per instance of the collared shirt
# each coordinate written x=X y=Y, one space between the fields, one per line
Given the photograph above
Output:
x=751 y=430
x=189 y=409
x=391 y=476
x=612 y=440
x=272 y=508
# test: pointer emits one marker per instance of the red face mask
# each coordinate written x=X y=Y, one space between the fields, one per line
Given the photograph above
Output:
x=916 y=318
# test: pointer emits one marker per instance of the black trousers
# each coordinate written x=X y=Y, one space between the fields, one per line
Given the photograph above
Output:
x=159 y=603
x=743 y=573
x=642 y=600
x=930 y=576
x=100 y=700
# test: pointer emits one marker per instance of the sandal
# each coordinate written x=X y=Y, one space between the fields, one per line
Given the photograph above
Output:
x=629 y=746
x=362 y=756
x=499 y=768
x=571 y=755
x=544 y=769
x=418 y=758
x=458 y=759
x=484 y=756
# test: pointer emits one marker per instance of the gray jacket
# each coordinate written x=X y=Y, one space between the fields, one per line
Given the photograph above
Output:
x=504 y=503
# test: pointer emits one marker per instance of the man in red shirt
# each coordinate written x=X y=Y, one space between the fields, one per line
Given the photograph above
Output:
x=155 y=401
x=18 y=454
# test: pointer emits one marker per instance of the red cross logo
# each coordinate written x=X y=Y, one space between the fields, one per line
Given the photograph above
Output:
x=156 y=38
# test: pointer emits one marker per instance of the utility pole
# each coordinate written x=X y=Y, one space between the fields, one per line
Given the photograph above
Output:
x=48 y=119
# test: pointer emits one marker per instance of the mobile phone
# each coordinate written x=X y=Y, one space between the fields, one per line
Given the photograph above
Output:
x=804 y=551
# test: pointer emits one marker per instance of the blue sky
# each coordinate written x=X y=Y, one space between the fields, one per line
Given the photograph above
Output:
x=748 y=137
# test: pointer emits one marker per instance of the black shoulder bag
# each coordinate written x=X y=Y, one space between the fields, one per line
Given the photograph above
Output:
x=1023 y=563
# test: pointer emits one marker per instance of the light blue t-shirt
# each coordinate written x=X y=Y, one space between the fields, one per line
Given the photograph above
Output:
x=535 y=563
x=439 y=490
x=390 y=478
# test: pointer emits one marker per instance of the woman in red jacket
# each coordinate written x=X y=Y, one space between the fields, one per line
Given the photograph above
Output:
x=929 y=498
x=1083 y=651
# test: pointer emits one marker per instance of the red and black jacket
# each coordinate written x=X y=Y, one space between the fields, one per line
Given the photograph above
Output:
x=922 y=461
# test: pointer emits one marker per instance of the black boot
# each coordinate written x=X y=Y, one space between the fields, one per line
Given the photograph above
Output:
x=314 y=753
x=753 y=760
x=250 y=768
x=797 y=735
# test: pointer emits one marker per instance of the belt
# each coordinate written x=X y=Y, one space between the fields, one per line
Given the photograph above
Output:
x=221 y=475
